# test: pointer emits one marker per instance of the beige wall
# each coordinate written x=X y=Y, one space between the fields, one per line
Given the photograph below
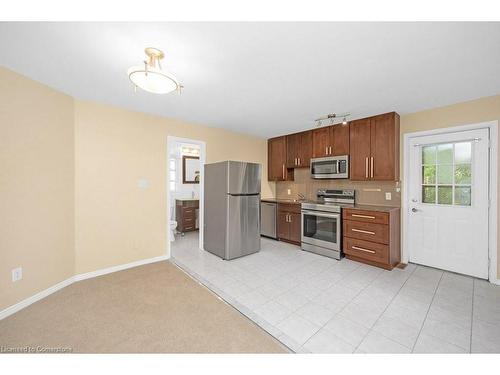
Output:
x=68 y=183
x=117 y=222
x=475 y=111
x=36 y=187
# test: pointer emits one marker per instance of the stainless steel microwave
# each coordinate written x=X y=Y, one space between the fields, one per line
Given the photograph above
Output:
x=330 y=167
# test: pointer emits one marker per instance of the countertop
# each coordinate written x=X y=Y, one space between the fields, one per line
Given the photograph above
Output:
x=367 y=207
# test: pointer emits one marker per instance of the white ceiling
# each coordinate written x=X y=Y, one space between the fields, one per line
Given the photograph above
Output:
x=264 y=78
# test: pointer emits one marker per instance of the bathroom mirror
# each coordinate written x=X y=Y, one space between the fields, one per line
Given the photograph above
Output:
x=190 y=169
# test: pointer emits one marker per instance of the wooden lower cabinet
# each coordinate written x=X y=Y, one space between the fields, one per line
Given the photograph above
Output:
x=295 y=227
x=289 y=223
x=283 y=227
x=372 y=236
x=185 y=214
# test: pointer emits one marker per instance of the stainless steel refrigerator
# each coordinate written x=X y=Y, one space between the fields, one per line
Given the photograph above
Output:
x=231 y=209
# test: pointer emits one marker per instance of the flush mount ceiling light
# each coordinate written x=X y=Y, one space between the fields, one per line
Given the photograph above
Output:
x=150 y=76
x=331 y=118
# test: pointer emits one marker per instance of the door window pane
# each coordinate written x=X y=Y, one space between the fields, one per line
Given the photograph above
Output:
x=445 y=195
x=428 y=194
x=445 y=174
x=462 y=174
x=463 y=152
x=428 y=174
x=445 y=153
x=429 y=155
x=462 y=195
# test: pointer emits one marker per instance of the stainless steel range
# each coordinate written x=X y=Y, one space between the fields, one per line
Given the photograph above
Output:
x=322 y=222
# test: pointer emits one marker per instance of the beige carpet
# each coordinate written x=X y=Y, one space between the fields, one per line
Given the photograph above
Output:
x=152 y=308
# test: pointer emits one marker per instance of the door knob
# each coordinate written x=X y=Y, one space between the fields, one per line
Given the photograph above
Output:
x=414 y=209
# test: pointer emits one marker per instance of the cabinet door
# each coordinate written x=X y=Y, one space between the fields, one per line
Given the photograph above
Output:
x=321 y=142
x=359 y=145
x=283 y=229
x=295 y=227
x=340 y=139
x=292 y=150
x=276 y=159
x=305 y=149
x=384 y=162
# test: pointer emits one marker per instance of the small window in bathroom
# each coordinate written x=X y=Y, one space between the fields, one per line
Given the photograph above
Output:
x=172 y=174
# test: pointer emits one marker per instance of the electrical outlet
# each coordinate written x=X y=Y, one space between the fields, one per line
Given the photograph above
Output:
x=17 y=274
x=289 y=191
x=388 y=196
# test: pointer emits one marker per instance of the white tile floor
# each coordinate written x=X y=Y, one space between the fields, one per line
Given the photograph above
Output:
x=317 y=304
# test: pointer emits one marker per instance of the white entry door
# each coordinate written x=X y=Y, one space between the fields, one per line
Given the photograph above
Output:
x=448 y=208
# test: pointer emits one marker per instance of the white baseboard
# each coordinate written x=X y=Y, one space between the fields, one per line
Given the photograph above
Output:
x=54 y=288
x=37 y=297
x=121 y=267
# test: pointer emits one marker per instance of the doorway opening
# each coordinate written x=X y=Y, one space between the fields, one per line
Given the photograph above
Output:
x=450 y=199
x=185 y=161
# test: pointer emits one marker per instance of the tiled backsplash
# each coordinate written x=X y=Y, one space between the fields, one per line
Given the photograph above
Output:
x=367 y=192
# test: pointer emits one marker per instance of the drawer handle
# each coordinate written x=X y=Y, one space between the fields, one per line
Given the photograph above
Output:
x=361 y=249
x=362 y=231
x=188 y=228
x=363 y=216
x=188 y=219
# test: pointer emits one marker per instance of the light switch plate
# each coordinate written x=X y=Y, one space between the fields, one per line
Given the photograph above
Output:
x=17 y=274
x=388 y=196
x=142 y=183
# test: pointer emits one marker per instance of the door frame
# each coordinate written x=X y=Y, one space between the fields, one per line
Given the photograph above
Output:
x=492 y=126
x=203 y=153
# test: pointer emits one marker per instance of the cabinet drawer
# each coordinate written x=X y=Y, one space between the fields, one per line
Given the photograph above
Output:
x=366 y=250
x=366 y=231
x=366 y=216
x=187 y=211
x=188 y=221
x=289 y=207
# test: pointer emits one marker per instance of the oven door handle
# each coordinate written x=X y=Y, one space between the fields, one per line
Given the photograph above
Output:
x=322 y=214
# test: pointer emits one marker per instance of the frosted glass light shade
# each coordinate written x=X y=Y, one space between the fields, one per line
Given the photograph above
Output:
x=155 y=81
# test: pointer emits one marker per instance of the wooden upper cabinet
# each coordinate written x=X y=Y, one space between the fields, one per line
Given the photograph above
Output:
x=360 y=149
x=321 y=142
x=374 y=148
x=384 y=165
x=331 y=141
x=372 y=145
x=276 y=160
x=299 y=149
x=340 y=139
x=305 y=153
